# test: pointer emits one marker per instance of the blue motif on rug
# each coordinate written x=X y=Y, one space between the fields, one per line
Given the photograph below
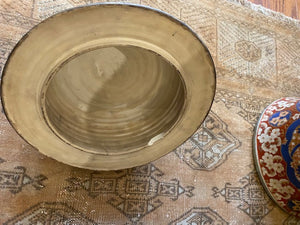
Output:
x=291 y=153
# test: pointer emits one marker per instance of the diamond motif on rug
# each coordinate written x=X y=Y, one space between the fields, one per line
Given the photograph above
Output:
x=203 y=215
x=134 y=192
x=241 y=51
x=50 y=213
x=251 y=197
x=209 y=146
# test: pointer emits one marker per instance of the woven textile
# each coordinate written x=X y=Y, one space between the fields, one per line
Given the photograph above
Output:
x=210 y=179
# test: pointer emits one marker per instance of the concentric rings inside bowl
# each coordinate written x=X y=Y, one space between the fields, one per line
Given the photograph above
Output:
x=114 y=99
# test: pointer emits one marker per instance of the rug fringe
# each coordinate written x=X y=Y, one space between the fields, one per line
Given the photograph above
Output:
x=267 y=12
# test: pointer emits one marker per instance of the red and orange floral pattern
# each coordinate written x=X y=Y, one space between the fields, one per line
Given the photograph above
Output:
x=277 y=152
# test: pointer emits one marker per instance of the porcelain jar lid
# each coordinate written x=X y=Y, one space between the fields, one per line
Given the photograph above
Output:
x=277 y=152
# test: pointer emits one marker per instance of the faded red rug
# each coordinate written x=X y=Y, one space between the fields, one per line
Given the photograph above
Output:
x=208 y=180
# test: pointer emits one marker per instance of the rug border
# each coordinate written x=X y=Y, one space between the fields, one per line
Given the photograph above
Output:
x=267 y=12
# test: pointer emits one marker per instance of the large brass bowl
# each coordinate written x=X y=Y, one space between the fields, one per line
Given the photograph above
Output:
x=108 y=86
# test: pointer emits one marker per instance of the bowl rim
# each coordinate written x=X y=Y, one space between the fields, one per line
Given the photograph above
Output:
x=106 y=4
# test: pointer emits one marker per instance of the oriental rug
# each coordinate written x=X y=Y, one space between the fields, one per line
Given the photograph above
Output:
x=211 y=178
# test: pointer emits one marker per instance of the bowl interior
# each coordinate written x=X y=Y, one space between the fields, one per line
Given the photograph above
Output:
x=114 y=99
